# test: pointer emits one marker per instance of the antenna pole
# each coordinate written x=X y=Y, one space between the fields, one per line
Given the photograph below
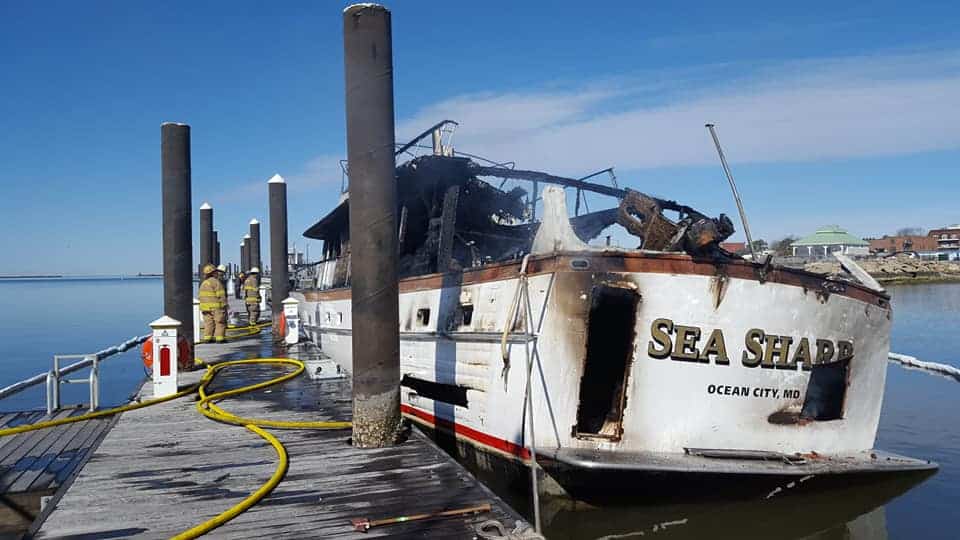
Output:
x=733 y=187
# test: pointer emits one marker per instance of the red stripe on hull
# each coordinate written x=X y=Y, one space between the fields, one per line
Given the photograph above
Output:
x=468 y=432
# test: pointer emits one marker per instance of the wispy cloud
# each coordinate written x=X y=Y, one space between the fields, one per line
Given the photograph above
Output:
x=322 y=171
x=798 y=111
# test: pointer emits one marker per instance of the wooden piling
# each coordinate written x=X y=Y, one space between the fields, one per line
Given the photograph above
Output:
x=206 y=237
x=177 y=224
x=254 y=244
x=368 y=60
x=279 y=277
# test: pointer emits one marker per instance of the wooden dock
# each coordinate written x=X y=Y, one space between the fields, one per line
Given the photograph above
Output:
x=37 y=464
x=166 y=468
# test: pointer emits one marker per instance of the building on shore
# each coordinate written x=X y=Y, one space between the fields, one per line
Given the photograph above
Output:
x=827 y=240
x=896 y=244
x=948 y=241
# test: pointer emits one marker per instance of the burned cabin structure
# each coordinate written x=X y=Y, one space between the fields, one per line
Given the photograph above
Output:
x=450 y=218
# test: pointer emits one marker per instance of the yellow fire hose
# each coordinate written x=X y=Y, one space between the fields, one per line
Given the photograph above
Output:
x=240 y=332
x=208 y=408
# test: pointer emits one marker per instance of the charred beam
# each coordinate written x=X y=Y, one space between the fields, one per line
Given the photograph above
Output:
x=428 y=132
x=537 y=176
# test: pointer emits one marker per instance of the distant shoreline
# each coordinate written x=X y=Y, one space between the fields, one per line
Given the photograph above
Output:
x=898 y=271
x=917 y=280
x=67 y=277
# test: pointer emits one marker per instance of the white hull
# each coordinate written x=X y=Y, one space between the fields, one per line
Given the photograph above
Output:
x=672 y=403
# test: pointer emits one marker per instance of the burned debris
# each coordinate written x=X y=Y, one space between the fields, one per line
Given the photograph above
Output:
x=451 y=219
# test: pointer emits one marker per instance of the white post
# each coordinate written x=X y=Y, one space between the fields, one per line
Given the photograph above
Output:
x=197 y=337
x=231 y=290
x=263 y=298
x=165 y=350
x=291 y=312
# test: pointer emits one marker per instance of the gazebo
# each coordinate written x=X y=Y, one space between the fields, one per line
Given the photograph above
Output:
x=827 y=240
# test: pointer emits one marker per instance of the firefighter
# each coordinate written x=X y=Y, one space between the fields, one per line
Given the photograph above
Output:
x=251 y=295
x=213 y=305
x=238 y=286
x=222 y=271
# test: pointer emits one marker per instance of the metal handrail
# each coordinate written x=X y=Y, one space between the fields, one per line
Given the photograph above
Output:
x=88 y=360
x=55 y=379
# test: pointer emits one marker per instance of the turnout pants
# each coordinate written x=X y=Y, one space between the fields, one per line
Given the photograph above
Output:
x=253 y=314
x=214 y=325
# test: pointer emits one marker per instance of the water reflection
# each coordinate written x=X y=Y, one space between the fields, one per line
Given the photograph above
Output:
x=852 y=511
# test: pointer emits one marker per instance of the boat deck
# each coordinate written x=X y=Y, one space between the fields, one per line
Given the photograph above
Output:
x=166 y=468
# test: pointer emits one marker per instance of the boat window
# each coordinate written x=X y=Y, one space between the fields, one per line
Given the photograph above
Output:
x=446 y=393
x=467 y=311
x=423 y=316
x=610 y=339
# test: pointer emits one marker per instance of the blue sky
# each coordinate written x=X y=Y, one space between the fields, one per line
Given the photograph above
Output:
x=828 y=114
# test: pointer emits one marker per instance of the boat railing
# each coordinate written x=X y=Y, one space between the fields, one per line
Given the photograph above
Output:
x=56 y=376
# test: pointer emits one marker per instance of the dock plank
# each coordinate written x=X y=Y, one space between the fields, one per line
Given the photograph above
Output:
x=58 y=463
x=166 y=468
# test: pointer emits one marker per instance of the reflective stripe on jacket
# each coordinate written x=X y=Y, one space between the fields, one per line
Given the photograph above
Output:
x=212 y=295
x=251 y=290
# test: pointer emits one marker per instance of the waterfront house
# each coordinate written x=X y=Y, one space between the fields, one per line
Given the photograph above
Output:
x=896 y=244
x=948 y=241
x=827 y=240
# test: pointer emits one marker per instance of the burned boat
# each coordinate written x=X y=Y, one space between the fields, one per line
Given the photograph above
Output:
x=674 y=359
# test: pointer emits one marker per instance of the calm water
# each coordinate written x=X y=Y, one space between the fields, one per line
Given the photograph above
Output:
x=40 y=318
x=920 y=416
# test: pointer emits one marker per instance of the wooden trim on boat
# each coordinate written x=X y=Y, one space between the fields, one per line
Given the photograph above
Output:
x=642 y=262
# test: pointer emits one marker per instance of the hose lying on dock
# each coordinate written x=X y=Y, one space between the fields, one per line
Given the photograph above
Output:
x=211 y=410
x=240 y=332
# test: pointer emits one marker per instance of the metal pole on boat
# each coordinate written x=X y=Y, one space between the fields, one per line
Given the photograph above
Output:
x=279 y=278
x=368 y=63
x=733 y=187
x=177 y=224
x=254 y=244
x=206 y=236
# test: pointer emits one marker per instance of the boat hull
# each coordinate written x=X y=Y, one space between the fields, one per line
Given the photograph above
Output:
x=634 y=353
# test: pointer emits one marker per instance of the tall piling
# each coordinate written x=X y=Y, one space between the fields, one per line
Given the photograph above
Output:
x=177 y=225
x=368 y=62
x=245 y=254
x=254 y=244
x=279 y=277
x=216 y=247
x=206 y=237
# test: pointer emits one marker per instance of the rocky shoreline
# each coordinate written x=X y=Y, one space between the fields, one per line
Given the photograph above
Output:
x=895 y=270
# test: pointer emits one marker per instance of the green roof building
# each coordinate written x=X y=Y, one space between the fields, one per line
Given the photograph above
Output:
x=827 y=240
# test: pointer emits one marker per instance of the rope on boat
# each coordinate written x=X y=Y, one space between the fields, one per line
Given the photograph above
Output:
x=933 y=367
x=521 y=300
